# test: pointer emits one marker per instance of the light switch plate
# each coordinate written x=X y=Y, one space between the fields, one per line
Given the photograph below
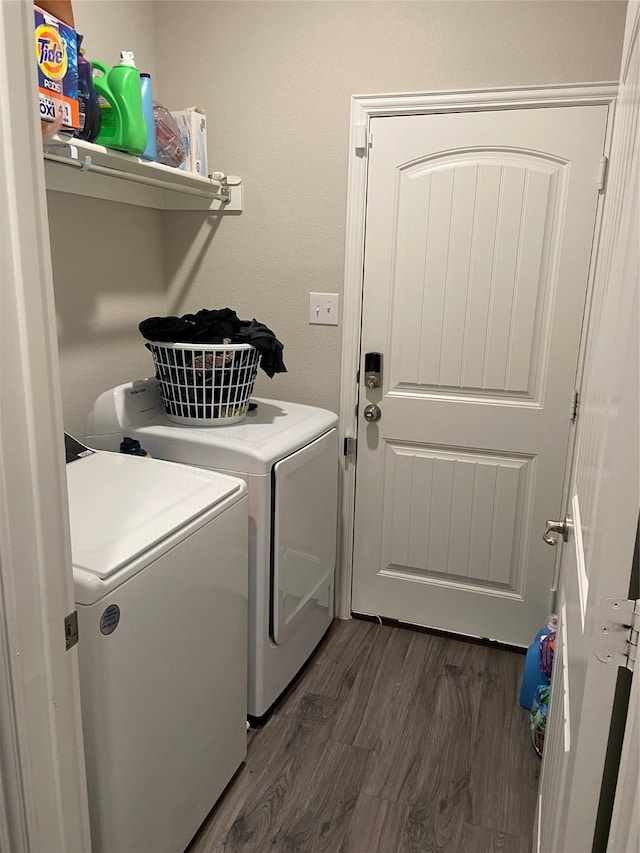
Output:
x=323 y=309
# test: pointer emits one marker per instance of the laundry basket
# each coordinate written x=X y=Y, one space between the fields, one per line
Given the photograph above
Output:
x=205 y=385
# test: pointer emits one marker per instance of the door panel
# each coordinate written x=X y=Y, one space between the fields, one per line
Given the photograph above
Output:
x=304 y=535
x=468 y=314
x=478 y=239
x=441 y=510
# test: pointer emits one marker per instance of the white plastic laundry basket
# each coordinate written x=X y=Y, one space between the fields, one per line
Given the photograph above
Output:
x=205 y=385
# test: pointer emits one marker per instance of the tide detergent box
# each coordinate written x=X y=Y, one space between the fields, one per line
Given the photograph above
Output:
x=57 y=58
x=192 y=124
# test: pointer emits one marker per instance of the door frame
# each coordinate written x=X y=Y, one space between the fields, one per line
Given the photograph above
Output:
x=363 y=109
x=43 y=795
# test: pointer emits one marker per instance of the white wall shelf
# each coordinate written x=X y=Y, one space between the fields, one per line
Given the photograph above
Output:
x=83 y=168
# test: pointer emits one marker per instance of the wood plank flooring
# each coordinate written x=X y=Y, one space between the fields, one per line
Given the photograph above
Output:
x=391 y=741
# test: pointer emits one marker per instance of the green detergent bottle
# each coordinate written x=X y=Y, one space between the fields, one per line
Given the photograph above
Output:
x=123 y=126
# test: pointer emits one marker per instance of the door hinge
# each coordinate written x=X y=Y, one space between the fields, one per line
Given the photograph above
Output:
x=602 y=174
x=618 y=627
x=349 y=447
x=71 y=629
x=575 y=402
x=362 y=139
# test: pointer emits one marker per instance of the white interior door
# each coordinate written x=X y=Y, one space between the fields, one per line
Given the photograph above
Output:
x=604 y=502
x=479 y=229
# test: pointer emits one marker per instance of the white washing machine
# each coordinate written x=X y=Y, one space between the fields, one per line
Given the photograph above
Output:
x=288 y=455
x=160 y=577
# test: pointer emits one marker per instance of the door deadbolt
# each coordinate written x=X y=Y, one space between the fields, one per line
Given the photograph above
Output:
x=372 y=369
x=372 y=413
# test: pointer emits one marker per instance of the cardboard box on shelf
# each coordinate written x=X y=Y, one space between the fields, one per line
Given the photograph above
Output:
x=192 y=124
x=57 y=57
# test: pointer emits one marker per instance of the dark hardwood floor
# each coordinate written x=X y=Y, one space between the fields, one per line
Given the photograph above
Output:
x=391 y=740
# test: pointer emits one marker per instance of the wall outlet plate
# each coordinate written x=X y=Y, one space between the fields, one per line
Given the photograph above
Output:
x=323 y=309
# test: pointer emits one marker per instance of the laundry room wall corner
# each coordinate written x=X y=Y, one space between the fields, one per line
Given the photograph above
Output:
x=107 y=256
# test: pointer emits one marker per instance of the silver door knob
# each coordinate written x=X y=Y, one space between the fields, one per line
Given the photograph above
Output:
x=561 y=528
x=372 y=413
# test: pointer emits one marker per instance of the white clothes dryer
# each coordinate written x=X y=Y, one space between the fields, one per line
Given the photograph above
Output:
x=288 y=455
x=160 y=577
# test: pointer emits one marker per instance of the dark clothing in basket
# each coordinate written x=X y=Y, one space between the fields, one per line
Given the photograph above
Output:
x=217 y=327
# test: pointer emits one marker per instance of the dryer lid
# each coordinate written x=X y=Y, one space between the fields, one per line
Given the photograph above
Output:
x=121 y=506
x=252 y=446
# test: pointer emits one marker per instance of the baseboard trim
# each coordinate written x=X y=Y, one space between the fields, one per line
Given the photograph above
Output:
x=438 y=632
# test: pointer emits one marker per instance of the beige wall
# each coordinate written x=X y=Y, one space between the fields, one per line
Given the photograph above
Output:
x=275 y=79
x=107 y=278
x=107 y=258
x=110 y=26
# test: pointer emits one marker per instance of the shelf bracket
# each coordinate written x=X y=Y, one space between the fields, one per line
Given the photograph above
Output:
x=225 y=192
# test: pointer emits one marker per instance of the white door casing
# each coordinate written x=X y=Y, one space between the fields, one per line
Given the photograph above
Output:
x=603 y=507
x=43 y=800
x=478 y=240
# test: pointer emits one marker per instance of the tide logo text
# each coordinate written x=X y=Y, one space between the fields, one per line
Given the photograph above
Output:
x=51 y=52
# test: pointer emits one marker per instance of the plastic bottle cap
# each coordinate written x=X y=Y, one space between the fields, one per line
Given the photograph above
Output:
x=127 y=58
x=144 y=74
